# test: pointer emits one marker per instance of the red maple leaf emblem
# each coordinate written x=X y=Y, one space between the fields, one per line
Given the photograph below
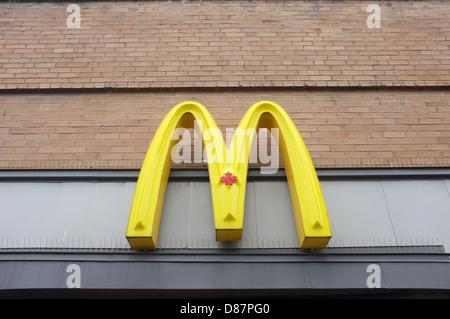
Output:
x=228 y=178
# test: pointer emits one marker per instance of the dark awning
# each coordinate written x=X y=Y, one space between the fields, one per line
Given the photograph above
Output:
x=425 y=267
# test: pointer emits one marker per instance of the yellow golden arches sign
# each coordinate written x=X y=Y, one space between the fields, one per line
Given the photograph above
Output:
x=228 y=175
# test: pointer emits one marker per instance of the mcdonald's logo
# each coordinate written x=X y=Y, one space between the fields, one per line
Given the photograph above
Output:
x=227 y=167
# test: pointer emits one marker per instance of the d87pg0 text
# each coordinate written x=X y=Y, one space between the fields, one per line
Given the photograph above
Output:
x=246 y=308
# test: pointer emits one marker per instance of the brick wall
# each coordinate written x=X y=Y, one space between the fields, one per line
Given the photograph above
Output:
x=341 y=128
x=360 y=97
x=224 y=44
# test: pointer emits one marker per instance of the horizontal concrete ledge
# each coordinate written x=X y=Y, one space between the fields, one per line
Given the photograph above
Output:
x=140 y=88
x=202 y=174
x=426 y=253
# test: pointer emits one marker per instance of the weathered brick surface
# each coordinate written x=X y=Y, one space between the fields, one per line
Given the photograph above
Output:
x=341 y=128
x=312 y=57
x=180 y=44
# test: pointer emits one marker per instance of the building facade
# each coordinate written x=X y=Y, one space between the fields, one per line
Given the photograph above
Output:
x=84 y=88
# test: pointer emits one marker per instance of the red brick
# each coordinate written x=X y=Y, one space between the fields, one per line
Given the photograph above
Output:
x=310 y=47
x=341 y=128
